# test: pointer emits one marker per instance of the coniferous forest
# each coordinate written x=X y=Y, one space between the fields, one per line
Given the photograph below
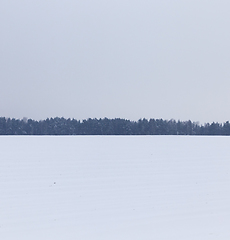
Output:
x=105 y=126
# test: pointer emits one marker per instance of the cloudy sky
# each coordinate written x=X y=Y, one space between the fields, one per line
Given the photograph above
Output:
x=126 y=59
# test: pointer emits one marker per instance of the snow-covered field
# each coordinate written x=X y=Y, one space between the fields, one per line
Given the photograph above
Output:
x=114 y=188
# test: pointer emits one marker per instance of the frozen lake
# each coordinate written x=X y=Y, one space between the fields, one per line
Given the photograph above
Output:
x=114 y=188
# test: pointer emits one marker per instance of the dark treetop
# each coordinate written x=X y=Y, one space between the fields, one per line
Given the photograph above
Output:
x=117 y=126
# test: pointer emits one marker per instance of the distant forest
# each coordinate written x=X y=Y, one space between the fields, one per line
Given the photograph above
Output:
x=105 y=126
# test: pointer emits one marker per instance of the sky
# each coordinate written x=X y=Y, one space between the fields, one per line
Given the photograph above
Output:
x=116 y=59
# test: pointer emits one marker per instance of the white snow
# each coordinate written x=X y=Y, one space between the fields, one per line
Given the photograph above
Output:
x=114 y=188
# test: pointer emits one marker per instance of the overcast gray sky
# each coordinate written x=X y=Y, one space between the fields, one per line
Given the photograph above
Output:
x=126 y=59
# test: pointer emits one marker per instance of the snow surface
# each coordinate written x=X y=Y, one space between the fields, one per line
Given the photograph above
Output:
x=114 y=188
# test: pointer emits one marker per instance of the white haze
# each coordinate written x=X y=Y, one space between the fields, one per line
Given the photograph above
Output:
x=117 y=59
x=100 y=188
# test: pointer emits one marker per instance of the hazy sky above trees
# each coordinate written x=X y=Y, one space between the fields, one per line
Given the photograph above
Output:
x=126 y=59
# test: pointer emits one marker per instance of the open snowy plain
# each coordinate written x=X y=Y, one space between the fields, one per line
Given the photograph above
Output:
x=114 y=188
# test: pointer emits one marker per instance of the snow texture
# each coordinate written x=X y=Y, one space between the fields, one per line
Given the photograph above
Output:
x=114 y=188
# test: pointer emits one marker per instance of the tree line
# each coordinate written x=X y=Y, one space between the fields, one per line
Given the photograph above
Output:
x=105 y=126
